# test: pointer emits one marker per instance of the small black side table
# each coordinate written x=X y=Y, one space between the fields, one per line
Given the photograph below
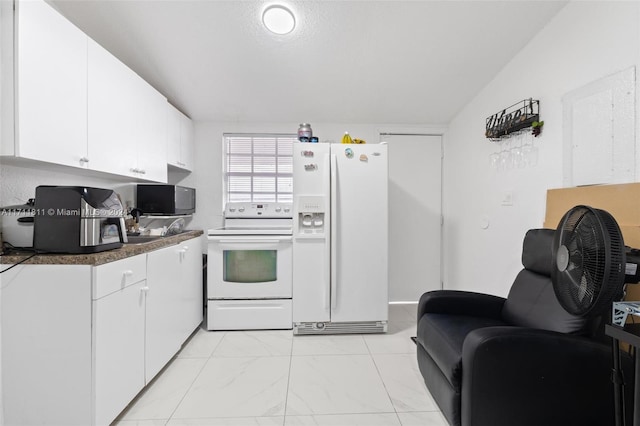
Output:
x=630 y=333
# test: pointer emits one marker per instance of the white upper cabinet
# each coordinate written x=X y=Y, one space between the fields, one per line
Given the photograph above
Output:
x=152 y=140
x=127 y=120
x=51 y=84
x=187 y=143
x=111 y=112
x=173 y=135
x=181 y=144
x=75 y=104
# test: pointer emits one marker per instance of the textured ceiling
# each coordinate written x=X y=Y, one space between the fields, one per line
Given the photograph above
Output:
x=346 y=61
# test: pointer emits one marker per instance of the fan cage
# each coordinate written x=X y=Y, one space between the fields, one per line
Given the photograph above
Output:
x=593 y=276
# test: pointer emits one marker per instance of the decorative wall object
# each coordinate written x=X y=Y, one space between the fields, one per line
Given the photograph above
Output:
x=514 y=118
x=516 y=152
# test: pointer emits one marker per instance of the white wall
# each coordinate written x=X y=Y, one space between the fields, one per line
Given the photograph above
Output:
x=584 y=42
x=18 y=182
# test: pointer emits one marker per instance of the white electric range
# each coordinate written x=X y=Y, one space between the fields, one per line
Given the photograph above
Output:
x=249 y=279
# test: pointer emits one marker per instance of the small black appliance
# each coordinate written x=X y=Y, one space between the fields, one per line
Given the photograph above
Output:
x=166 y=200
x=77 y=219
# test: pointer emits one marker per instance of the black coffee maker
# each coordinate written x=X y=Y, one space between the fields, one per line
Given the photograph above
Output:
x=77 y=219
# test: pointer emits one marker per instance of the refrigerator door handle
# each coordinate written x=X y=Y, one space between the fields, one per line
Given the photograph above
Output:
x=326 y=179
x=334 y=231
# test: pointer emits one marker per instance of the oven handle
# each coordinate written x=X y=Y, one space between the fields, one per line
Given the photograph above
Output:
x=254 y=241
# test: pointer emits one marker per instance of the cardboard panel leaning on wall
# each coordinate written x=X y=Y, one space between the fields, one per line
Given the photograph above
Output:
x=622 y=201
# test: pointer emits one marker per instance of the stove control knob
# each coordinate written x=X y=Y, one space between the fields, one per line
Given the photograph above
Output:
x=278 y=209
x=241 y=209
x=232 y=209
x=287 y=209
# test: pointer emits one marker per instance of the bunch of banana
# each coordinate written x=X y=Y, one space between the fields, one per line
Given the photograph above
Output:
x=347 y=138
x=359 y=141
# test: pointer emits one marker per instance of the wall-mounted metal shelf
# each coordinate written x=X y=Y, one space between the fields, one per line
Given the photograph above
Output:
x=514 y=118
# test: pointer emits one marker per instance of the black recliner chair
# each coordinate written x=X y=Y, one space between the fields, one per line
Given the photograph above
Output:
x=520 y=361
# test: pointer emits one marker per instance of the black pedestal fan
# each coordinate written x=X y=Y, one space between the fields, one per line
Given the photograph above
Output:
x=589 y=272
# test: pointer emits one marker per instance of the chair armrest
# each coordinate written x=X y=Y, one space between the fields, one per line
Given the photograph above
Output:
x=522 y=376
x=460 y=303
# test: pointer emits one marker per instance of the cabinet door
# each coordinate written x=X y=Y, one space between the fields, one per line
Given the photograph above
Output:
x=151 y=132
x=51 y=86
x=46 y=345
x=174 y=120
x=187 y=143
x=192 y=300
x=118 y=335
x=163 y=338
x=112 y=113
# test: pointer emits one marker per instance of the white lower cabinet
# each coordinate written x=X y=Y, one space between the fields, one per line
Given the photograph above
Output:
x=46 y=345
x=175 y=290
x=118 y=336
x=79 y=342
x=118 y=318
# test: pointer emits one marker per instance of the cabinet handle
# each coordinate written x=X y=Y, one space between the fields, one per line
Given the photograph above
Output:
x=127 y=273
x=84 y=160
x=182 y=252
x=134 y=170
x=144 y=289
x=142 y=172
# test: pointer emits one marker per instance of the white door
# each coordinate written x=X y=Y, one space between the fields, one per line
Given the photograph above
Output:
x=415 y=210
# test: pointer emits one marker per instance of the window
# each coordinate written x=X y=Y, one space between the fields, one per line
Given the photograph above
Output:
x=258 y=167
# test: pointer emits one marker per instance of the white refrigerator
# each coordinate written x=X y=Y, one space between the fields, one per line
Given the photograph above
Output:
x=340 y=238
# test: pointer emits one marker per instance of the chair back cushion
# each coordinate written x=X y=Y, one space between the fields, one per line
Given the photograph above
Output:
x=536 y=251
x=532 y=301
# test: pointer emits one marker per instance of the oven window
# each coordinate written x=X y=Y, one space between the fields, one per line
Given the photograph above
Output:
x=250 y=266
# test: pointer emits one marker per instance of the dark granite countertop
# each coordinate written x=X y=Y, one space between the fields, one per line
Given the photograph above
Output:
x=101 y=258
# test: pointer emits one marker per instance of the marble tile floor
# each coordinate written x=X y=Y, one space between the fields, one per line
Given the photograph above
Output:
x=274 y=378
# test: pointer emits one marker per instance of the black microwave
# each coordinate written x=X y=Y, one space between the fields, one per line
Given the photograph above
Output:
x=166 y=199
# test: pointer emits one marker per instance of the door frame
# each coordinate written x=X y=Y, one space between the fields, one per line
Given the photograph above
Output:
x=426 y=131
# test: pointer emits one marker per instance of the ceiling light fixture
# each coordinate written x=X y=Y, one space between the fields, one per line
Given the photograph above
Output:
x=278 y=19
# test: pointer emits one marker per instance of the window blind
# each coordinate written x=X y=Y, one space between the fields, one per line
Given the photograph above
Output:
x=258 y=167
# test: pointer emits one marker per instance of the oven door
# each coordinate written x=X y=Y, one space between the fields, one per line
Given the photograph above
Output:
x=249 y=267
